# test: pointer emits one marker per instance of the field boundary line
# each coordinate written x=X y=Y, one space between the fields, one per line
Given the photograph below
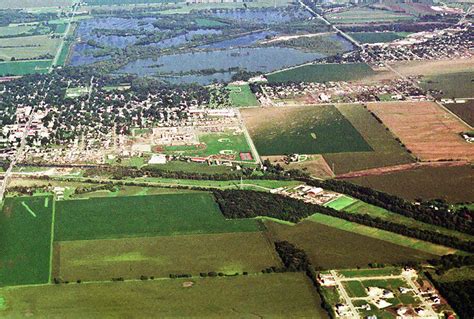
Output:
x=51 y=250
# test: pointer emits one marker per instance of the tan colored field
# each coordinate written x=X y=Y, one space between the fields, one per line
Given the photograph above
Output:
x=426 y=129
x=160 y=256
x=434 y=67
x=316 y=165
x=289 y=295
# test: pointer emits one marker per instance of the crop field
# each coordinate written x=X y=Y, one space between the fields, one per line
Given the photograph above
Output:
x=453 y=184
x=304 y=130
x=370 y=272
x=426 y=129
x=22 y=4
x=272 y=295
x=377 y=37
x=125 y=2
x=228 y=143
x=386 y=150
x=329 y=247
x=323 y=73
x=241 y=95
x=464 y=110
x=92 y=260
x=25 y=240
x=376 y=233
x=450 y=85
x=30 y=47
x=12 y=30
x=24 y=67
x=143 y=216
x=366 y=15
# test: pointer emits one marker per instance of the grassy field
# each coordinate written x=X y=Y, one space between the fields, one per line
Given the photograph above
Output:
x=230 y=142
x=464 y=110
x=23 y=4
x=269 y=296
x=451 y=85
x=323 y=73
x=24 y=67
x=386 y=150
x=125 y=2
x=25 y=240
x=12 y=30
x=304 y=130
x=30 y=47
x=341 y=202
x=92 y=260
x=376 y=37
x=143 y=216
x=393 y=238
x=366 y=15
x=370 y=272
x=241 y=95
x=329 y=247
x=355 y=289
x=453 y=184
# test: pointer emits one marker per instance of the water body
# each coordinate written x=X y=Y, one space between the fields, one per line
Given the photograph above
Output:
x=245 y=40
x=250 y=59
x=82 y=55
x=182 y=39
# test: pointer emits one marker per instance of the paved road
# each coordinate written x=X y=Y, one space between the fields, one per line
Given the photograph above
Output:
x=344 y=294
x=63 y=39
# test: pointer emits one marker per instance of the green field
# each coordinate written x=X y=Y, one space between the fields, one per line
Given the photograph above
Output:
x=341 y=202
x=228 y=142
x=23 y=4
x=28 y=47
x=366 y=15
x=370 y=272
x=25 y=240
x=464 y=110
x=386 y=150
x=355 y=289
x=11 y=30
x=241 y=95
x=393 y=238
x=125 y=2
x=93 y=260
x=322 y=73
x=143 y=216
x=267 y=296
x=451 y=85
x=24 y=67
x=376 y=37
x=303 y=130
x=330 y=247
x=453 y=184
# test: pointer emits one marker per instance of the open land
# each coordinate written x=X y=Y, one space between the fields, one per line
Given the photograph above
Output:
x=366 y=15
x=92 y=260
x=24 y=67
x=241 y=95
x=30 y=47
x=426 y=129
x=303 y=130
x=464 y=110
x=25 y=240
x=271 y=295
x=168 y=214
x=450 y=85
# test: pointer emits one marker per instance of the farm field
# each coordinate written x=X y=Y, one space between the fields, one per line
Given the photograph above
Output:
x=376 y=233
x=450 y=85
x=464 y=110
x=241 y=95
x=168 y=214
x=453 y=184
x=25 y=240
x=366 y=15
x=329 y=247
x=315 y=165
x=130 y=258
x=303 y=130
x=12 y=30
x=24 y=67
x=323 y=73
x=289 y=294
x=434 y=68
x=377 y=37
x=426 y=129
x=21 y=4
x=30 y=47
x=386 y=150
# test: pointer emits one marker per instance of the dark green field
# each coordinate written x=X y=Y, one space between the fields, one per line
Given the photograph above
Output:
x=331 y=248
x=24 y=67
x=25 y=240
x=463 y=110
x=376 y=37
x=141 y=216
x=451 y=85
x=323 y=73
x=304 y=130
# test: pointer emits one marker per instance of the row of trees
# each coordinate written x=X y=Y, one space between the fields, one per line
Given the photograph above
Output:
x=256 y=204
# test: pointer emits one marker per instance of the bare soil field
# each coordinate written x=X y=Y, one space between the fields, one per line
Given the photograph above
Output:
x=316 y=165
x=427 y=130
x=434 y=67
x=454 y=184
x=130 y=258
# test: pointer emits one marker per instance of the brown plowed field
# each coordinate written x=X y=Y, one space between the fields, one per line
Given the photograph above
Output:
x=426 y=129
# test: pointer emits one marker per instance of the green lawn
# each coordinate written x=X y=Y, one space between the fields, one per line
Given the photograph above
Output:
x=355 y=288
x=366 y=15
x=241 y=95
x=25 y=240
x=376 y=37
x=341 y=202
x=323 y=73
x=24 y=67
x=143 y=216
x=370 y=272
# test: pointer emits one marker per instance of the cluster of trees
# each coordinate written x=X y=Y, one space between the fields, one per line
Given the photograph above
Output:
x=396 y=27
x=293 y=258
x=430 y=213
x=83 y=190
x=249 y=204
x=451 y=261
